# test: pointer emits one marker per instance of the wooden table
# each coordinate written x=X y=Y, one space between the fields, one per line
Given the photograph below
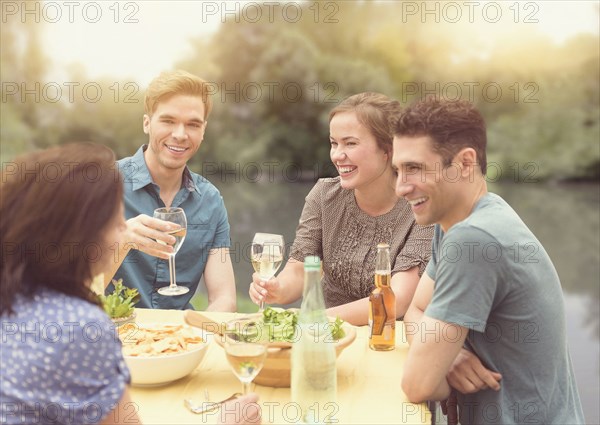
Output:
x=368 y=385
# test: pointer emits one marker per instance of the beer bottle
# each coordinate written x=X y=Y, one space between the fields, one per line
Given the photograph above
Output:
x=382 y=304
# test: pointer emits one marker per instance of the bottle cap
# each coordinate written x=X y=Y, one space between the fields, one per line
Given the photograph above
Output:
x=312 y=262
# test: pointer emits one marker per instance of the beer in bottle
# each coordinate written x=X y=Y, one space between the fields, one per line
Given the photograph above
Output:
x=382 y=304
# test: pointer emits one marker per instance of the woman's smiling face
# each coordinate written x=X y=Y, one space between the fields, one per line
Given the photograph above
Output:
x=355 y=153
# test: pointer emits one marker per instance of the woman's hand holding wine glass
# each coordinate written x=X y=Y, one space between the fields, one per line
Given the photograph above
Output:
x=267 y=256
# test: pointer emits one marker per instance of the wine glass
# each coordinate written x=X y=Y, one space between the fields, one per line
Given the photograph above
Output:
x=246 y=354
x=177 y=216
x=266 y=256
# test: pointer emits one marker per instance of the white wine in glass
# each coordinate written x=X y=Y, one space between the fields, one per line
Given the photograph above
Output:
x=246 y=357
x=179 y=235
x=177 y=216
x=266 y=256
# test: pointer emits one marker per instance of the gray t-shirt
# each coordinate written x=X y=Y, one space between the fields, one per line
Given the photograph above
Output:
x=493 y=277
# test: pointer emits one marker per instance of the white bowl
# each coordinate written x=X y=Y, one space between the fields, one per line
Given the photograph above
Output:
x=162 y=369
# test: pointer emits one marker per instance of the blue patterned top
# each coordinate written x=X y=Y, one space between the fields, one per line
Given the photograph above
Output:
x=61 y=362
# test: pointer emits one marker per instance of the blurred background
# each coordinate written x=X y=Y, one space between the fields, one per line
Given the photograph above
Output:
x=75 y=71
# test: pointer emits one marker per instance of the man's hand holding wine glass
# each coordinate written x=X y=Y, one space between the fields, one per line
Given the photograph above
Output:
x=150 y=235
x=177 y=217
x=143 y=233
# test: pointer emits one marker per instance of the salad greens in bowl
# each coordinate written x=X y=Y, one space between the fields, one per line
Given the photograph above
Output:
x=279 y=327
x=282 y=324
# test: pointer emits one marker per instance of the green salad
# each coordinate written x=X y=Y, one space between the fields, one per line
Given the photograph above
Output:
x=278 y=324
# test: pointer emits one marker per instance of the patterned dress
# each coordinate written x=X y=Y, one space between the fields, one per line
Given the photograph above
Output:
x=333 y=227
x=61 y=362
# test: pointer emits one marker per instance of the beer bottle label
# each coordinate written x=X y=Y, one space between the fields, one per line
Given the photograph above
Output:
x=379 y=314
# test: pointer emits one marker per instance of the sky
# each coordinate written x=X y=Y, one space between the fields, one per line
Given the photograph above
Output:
x=137 y=40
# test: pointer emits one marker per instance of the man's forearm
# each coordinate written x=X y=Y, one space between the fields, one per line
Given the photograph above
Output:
x=412 y=318
x=442 y=392
x=430 y=357
x=224 y=303
x=115 y=262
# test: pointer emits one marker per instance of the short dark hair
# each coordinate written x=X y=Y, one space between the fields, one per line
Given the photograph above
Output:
x=452 y=126
x=55 y=204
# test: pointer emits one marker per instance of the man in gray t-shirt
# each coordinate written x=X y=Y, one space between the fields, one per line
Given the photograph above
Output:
x=487 y=321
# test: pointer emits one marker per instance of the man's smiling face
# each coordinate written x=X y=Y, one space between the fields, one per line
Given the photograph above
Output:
x=175 y=131
x=424 y=181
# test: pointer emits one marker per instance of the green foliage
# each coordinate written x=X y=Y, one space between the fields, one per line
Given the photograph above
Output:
x=553 y=125
x=121 y=302
x=14 y=133
x=278 y=324
x=547 y=115
x=545 y=122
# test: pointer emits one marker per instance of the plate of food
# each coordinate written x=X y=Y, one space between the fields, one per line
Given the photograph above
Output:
x=160 y=353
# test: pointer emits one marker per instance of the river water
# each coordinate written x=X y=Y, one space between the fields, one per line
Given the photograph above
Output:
x=563 y=217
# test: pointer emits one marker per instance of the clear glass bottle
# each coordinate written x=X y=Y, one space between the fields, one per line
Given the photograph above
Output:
x=382 y=304
x=314 y=375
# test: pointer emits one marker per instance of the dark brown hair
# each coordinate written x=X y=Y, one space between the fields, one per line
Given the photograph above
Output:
x=452 y=126
x=374 y=111
x=55 y=206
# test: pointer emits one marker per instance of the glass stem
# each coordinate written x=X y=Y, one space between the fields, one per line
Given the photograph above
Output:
x=245 y=387
x=172 y=271
x=261 y=306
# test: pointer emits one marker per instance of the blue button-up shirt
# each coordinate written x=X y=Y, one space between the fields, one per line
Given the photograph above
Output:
x=207 y=228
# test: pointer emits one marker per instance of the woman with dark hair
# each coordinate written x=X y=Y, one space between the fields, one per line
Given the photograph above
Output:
x=60 y=213
x=345 y=217
x=61 y=220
